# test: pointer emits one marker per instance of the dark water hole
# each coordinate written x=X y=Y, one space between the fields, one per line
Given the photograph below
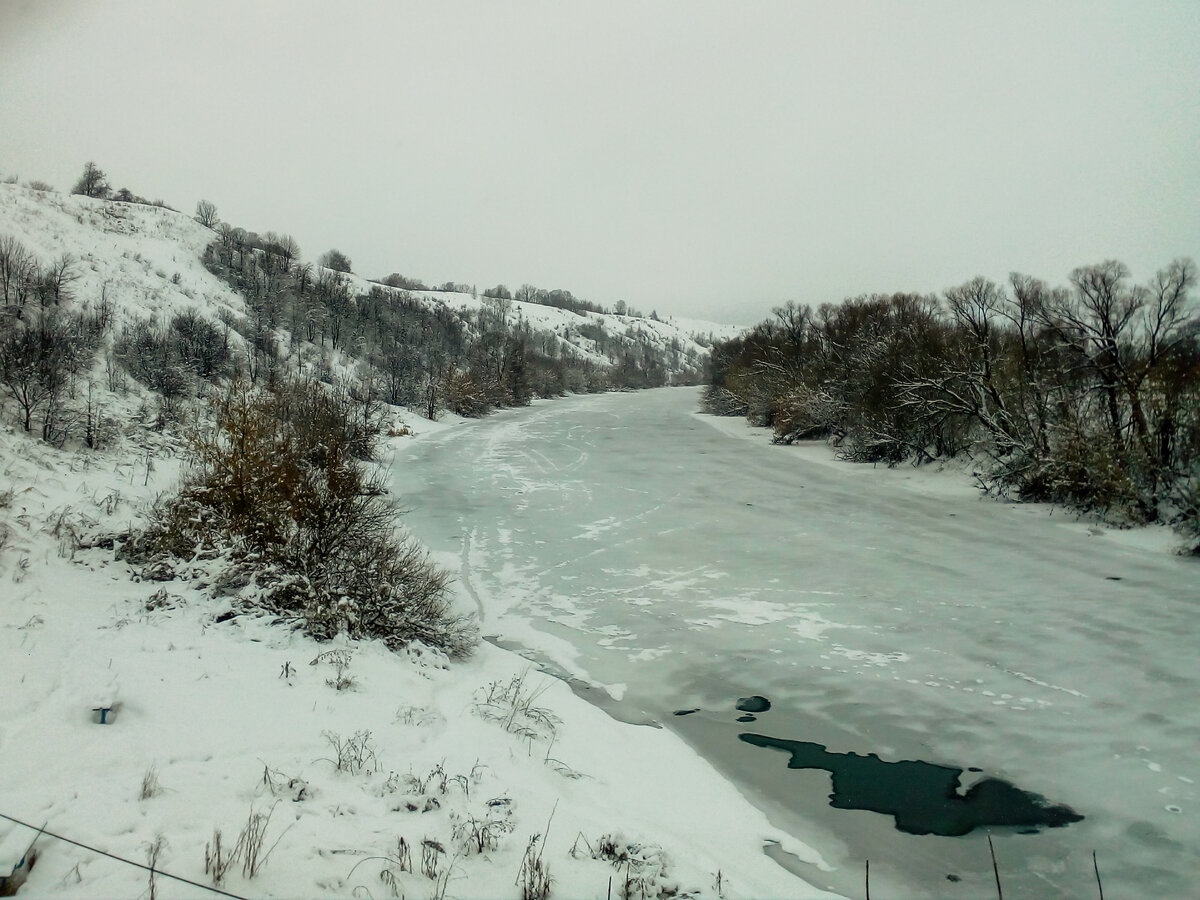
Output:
x=755 y=704
x=924 y=798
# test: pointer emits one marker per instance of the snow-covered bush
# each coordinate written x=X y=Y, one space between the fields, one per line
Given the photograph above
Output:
x=512 y=703
x=279 y=483
x=644 y=867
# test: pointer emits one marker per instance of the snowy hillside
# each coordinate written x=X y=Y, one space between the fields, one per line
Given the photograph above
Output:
x=148 y=260
x=145 y=260
x=691 y=336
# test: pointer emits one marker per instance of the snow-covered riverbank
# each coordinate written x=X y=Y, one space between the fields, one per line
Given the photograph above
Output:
x=214 y=720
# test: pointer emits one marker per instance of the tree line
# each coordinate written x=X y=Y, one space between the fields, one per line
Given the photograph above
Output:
x=1086 y=395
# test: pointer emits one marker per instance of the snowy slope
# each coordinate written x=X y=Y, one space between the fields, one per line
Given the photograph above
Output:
x=144 y=259
x=689 y=334
x=148 y=261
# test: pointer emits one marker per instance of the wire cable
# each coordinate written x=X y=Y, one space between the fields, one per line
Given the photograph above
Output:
x=131 y=862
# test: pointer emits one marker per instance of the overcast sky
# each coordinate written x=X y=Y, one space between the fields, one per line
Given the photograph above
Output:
x=706 y=159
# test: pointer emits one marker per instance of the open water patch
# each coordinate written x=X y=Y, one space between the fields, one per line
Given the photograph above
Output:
x=922 y=797
x=755 y=704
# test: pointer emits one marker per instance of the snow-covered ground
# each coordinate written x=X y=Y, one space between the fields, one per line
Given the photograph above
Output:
x=143 y=260
x=216 y=720
x=632 y=544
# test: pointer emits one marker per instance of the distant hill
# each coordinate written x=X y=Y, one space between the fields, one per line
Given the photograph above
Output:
x=278 y=314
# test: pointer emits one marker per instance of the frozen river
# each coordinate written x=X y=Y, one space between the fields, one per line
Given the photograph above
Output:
x=664 y=555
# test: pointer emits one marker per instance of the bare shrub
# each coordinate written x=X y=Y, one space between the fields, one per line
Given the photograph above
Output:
x=391 y=880
x=289 y=495
x=1187 y=516
x=533 y=877
x=480 y=835
x=169 y=359
x=645 y=866
x=40 y=355
x=431 y=853
x=340 y=660
x=252 y=840
x=420 y=793
x=153 y=853
x=248 y=849
x=513 y=705
x=217 y=859
x=355 y=754
x=277 y=783
x=416 y=715
x=438 y=779
x=150 y=785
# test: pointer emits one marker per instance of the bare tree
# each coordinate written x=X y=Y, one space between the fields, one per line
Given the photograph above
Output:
x=289 y=249
x=37 y=357
x=1123 y=332
x=493 y=314
x=56 y=280
x=333 y=293
x=975 y=307
x=335 y=259
x=92 y=183
x=206 y=213
x=17 y=269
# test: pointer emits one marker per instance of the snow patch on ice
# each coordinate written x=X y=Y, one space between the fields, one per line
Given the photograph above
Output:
x=750 y=612
x=873 y=659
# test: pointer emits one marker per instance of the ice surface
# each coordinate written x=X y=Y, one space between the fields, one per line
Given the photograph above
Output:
x=893 y=611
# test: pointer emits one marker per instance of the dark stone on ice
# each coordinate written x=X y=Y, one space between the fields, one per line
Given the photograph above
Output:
x=755 y=704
